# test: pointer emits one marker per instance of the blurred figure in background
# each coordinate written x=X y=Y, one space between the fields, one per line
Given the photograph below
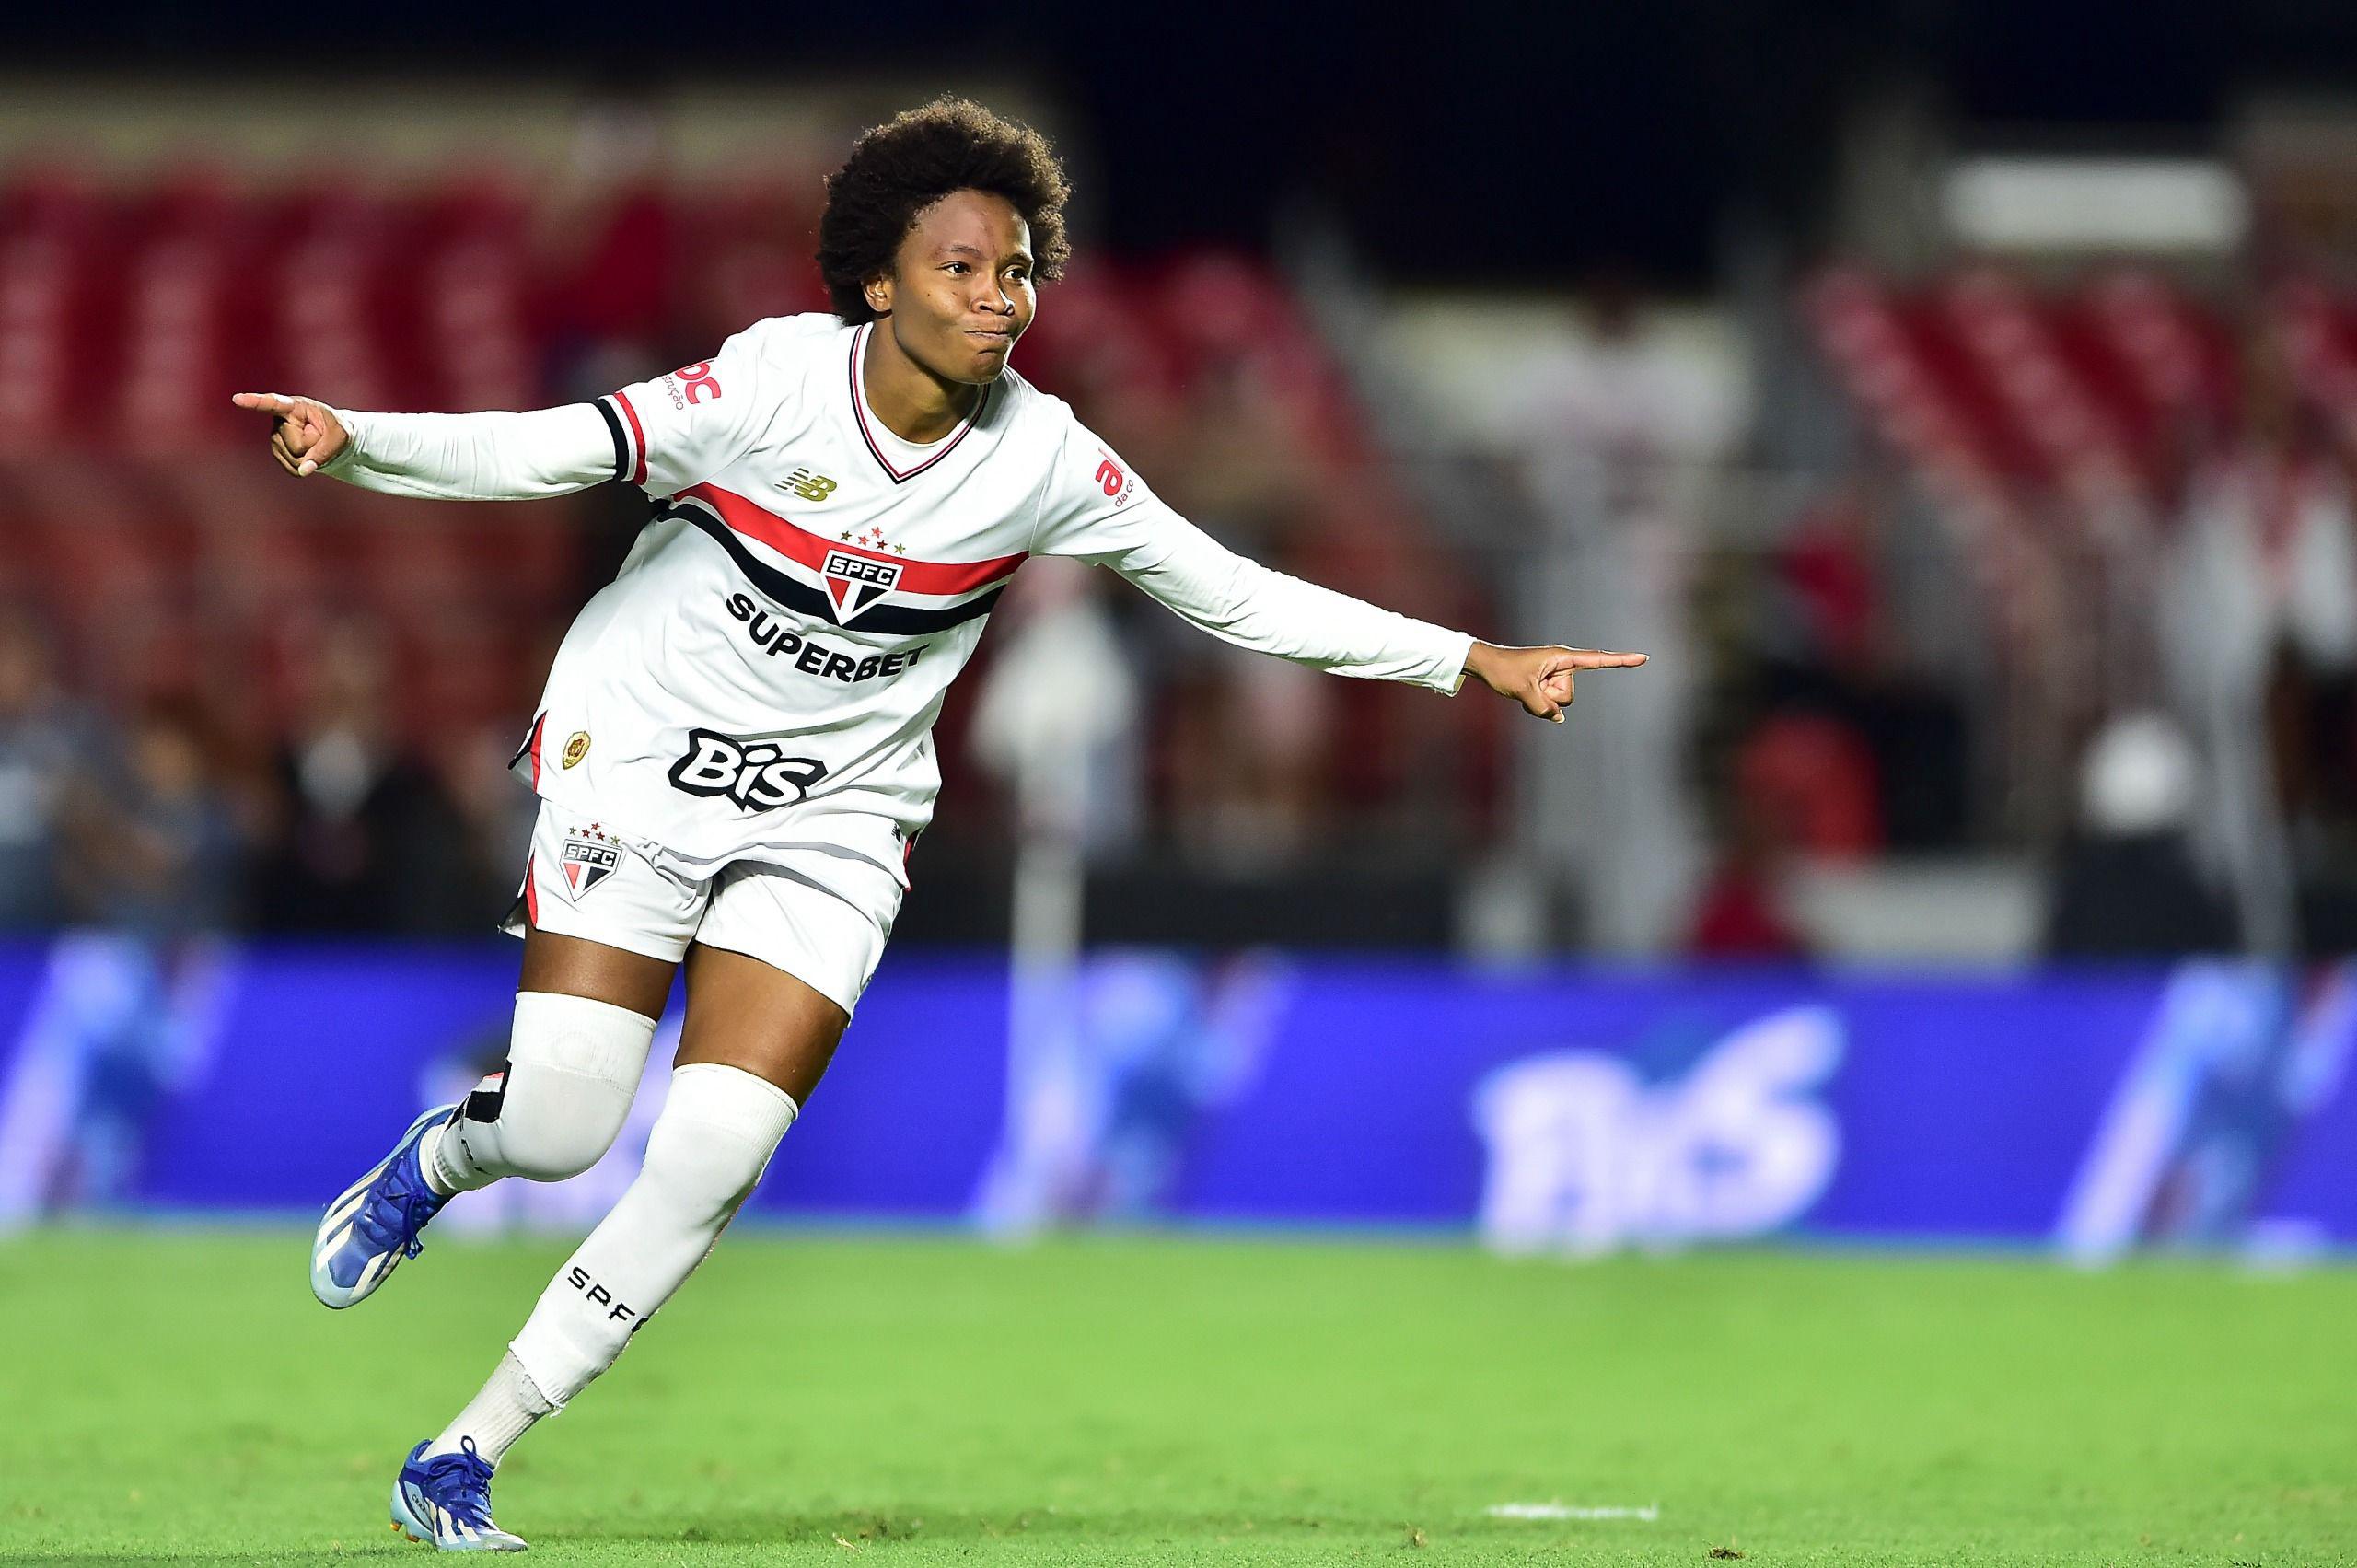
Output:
x=367 y=841
x=162 y=860
x=1622 y=427
x=49 y=746
x=494 y=823
x=2259 y=625
x=158 y=863
x=1058 y=724
x=2126 y=885
x=1833 y=643
x=128 y=1012
x=1154 y=1044
x=494 y=817
x=1249 y=782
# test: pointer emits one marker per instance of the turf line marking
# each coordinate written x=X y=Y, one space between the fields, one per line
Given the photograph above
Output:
x=1649 y=1513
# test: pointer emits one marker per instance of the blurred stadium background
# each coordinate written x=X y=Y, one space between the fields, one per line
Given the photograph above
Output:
x=1958 y=402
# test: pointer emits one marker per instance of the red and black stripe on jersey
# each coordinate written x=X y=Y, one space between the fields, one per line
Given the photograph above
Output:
x=630 y=440
x=961 y=590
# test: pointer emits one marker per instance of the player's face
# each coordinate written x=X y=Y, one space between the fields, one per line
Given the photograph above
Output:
x=960 y=291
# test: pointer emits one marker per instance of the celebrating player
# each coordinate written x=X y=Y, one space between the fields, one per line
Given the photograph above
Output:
x=734 y=751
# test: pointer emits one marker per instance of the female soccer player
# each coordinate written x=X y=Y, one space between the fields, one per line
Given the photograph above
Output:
x=734 y=748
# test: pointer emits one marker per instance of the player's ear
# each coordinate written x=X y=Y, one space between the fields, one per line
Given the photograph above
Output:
x=879 y=293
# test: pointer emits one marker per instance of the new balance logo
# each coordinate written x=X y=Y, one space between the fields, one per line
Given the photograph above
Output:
x=811 y=487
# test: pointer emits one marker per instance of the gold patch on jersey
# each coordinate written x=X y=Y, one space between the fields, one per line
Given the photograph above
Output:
x=810 y=486
x=577 y=747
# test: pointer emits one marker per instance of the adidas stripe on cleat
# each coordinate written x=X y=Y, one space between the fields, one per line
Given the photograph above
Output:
x=374 y=1224
x=446 y=1499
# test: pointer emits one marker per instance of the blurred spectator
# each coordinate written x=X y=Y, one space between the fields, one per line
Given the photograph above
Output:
x=2260 y=601
x=164 y=860
x=49 y=746
x=1057 y=722
x=2126 y=885
x=1827 y=569
x=495 y=812
x=1623 y=427
x=1251 y=740
x=367 y=841
x=158 y=860
x=1832 y=648
x=1620 y=410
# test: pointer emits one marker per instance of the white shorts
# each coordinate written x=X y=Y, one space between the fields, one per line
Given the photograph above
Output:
x=822 y=916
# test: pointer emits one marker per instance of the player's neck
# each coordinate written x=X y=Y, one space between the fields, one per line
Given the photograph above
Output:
x=915 y=404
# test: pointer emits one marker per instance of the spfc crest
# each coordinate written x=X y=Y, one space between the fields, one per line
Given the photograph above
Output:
x=590 y=856
x=854 y=581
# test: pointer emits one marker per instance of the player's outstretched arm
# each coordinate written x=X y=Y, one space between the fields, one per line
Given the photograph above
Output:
x=1243 y=602
x=1540 y=678
x=444 y=457
x=1097 y=510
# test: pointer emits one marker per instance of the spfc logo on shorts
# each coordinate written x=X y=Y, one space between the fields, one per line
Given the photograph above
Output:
x=854 y=581
x=590 y=856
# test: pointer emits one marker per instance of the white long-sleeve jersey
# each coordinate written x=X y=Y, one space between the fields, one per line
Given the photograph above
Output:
x=765 y=670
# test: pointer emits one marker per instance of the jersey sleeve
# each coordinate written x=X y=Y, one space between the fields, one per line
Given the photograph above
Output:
x=1094 y=509
x=682 y=428
x=472 y=457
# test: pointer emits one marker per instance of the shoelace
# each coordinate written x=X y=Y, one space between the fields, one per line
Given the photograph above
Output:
x=398 y=1213
x=467 y=1474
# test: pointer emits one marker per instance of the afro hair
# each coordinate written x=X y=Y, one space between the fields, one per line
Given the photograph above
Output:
x=905 y=164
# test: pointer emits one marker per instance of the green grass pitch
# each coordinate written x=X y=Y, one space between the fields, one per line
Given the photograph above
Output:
x=178 y=1397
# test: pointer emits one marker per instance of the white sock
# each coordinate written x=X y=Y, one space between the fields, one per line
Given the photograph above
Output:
x=718 y=1128
x=504 y=1411
x=557 y=1104
x=443 y=1178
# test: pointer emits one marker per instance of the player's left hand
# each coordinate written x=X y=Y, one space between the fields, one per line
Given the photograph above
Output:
x=1540 y=678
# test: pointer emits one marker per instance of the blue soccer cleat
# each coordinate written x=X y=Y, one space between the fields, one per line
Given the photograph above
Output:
x=446 y=1499
x=374 y=1224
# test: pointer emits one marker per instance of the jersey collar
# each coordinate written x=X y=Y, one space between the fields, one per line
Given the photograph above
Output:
x=868 y=432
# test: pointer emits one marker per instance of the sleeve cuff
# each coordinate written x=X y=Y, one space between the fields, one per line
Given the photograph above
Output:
x=353 y=427
x=605 y=407
x=1452 y=674
x=629 y=437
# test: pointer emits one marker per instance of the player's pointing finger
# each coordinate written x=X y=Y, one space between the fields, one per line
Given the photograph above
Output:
x=265 y=402
x=1601 y=659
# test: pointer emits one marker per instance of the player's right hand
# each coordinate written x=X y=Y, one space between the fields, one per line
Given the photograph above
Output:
x=305 y=435
x=1540 y=678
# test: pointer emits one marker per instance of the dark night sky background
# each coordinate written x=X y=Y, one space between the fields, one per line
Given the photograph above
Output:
x=1524 y=145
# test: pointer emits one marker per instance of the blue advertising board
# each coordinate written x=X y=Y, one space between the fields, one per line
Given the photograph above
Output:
x=1558 y=1110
